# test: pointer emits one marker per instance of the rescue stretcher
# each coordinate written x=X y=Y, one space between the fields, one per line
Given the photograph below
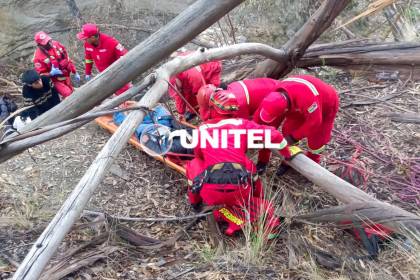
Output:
x=175 y=161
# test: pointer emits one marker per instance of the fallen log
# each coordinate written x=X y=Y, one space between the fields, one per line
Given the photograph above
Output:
x=367 y=54
x=182 y=29
x=379 y=61
x=404 y=117
x=297 y=45
x=392 y=216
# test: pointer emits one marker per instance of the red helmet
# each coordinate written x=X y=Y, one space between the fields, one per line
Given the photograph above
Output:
x=274 y=105
x=88 y=30
x=42 y=38
x=224 y=102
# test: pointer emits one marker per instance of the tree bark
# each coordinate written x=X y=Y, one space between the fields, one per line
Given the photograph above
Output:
x=297 y=45
x=50 y=239
x=349 y=194
x=368 y=212
x=182 y=29
x=369 y=54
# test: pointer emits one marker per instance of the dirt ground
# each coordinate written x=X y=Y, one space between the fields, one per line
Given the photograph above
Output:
x=384 y=155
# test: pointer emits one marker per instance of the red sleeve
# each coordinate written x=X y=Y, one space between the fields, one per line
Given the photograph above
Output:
x=277 y=139
x=88 y=62
x=313 y=119
x=40 y=66
x=217 y=72
x=179 y=102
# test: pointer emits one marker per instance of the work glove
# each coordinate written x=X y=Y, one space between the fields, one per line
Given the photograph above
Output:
x=292 y=151
x=87 y=78
x=77 y=77
x=189 y=116
x=261 y=167
x=55 y=72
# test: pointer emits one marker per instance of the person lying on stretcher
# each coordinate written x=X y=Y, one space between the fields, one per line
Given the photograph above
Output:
x=153 y=132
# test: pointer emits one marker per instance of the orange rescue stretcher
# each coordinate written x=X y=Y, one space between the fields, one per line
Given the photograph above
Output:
x=173 y=160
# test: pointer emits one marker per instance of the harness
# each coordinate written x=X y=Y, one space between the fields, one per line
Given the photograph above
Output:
x=222 y=174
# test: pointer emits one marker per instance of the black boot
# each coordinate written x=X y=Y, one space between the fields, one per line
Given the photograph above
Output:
x=282 y=169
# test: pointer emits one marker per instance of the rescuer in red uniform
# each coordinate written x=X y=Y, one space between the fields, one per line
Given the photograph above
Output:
x=225 y=175
x=188 y=83
x=308 y=107
x=51 y=60
x=101 y=50
x=249 y=93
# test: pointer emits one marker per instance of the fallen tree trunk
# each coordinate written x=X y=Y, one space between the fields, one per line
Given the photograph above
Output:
x=185 y=27
x=399 y=219
x=388 y=61
x=50 y=239
x=297 y=45
x=368 y=54
x=404 y=117
x=368 y=212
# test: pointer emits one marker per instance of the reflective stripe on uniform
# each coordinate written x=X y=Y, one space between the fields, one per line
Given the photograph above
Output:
x=61 y=78
x=317 y=151
x=305 y=82
x=230 y=216
x=88 y=61
x=245 y=90
x=282 y=144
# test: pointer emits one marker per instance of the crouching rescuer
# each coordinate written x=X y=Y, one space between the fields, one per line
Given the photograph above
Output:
x=224 y=175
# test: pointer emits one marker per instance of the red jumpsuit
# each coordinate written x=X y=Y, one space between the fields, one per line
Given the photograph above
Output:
x=56 y=56
x=311 y=113
x=250 y=94
x=234 y=197
x=107 y=52
x=190 y=81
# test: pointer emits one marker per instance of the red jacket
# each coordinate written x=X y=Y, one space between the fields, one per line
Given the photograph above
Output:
x=211 y=156
x=250 y=94
x=107 y=52
x=310 y=98
x=190 y=81
x=57 y=56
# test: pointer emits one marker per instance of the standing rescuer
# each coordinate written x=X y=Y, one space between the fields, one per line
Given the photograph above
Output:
x=51 y=60
x=307 y=106
x=101 y=50
x=226 y=176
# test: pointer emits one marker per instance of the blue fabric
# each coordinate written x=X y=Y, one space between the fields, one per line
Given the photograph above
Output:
x=159 y=115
